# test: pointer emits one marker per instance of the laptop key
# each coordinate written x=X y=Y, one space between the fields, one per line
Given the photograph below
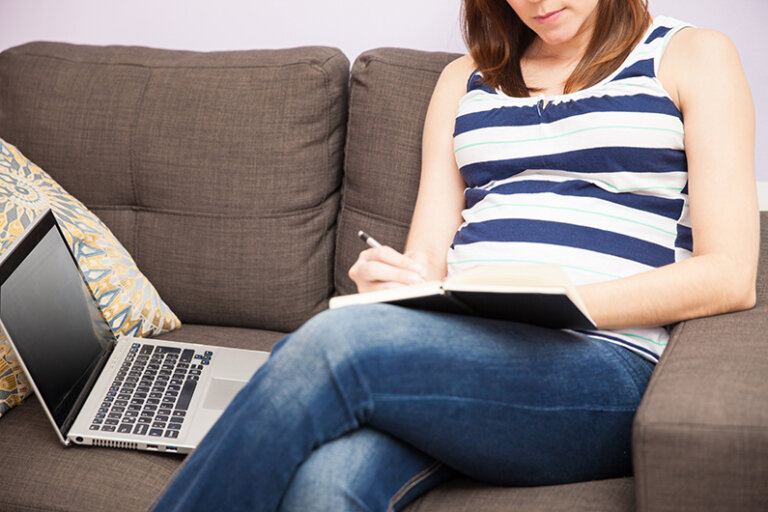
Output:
x=156 y=432
x=186 y=394
x=125 y=428
x=173 y=434
x=167 y=350
x=108 y=428
x=141 y=429
x=186 y=355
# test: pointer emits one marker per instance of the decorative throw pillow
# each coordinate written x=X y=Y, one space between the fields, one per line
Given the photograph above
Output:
x=128 y=301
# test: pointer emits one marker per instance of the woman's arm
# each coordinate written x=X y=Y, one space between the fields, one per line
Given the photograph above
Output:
x=440 y=200
x=702 y=71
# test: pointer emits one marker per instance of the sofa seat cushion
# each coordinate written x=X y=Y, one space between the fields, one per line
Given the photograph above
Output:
x=235 y=337
x=464 y=495
x=39 y=473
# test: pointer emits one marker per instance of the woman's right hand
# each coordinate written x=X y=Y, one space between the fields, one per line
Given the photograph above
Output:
x=383 y=267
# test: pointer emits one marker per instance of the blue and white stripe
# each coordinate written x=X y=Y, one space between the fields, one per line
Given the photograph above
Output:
x=594 y=181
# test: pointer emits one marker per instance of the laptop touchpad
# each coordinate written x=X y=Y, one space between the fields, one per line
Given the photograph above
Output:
x=221 y=392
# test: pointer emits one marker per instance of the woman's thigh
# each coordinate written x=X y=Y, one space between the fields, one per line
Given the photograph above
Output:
x=361 y=471
x=500 y=401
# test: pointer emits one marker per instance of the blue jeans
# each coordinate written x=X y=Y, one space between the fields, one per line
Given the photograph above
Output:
x=367 y=407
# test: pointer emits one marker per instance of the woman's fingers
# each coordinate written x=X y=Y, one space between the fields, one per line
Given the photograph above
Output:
x=384 y=267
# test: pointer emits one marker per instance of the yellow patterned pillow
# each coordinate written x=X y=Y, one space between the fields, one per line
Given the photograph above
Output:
x=128 y=301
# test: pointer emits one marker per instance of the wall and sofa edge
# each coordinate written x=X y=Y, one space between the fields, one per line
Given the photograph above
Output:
x=237 y=180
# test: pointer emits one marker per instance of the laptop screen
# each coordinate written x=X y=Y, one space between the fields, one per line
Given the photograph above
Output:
x=52 y=320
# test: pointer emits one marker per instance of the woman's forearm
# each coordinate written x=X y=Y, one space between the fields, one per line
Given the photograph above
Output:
x=700 y=286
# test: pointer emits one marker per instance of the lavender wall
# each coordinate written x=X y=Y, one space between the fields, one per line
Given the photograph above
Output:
x=352 y=25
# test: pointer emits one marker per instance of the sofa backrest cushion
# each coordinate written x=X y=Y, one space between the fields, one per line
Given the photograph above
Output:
x=218 y=171
x=389 y=94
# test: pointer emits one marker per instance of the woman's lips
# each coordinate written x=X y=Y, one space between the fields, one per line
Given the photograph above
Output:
x=550 y=17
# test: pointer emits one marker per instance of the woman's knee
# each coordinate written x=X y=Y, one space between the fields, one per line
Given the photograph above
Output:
x=338 y=475
x=360 y=471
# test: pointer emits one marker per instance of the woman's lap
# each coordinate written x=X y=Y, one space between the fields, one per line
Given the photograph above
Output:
x=503 y=402
x=506 y=403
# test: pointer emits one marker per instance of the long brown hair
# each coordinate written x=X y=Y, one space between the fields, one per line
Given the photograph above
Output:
x=497 y=39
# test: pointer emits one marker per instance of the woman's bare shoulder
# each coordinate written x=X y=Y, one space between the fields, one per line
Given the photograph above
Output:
x=463 y=64
x=458 y=71
x=695 y=45
x=694 y=54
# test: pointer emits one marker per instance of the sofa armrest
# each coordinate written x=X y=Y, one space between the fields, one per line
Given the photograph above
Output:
x=700 y=439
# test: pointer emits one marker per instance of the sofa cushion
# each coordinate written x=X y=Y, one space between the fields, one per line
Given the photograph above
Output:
x=389 y=95
x=128 y=301
x=38 y=473
x=218 y=171
x=464 y=495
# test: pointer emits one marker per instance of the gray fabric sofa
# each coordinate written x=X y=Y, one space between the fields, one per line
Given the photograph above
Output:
x=238 y=180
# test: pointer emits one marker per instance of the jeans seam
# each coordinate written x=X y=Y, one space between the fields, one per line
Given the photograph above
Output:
x=395 y=398
x=410 y=484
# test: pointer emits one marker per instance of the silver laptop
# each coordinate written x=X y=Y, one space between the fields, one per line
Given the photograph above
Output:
x=129 y=393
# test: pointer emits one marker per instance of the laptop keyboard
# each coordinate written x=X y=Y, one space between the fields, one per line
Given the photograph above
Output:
x=152 y=391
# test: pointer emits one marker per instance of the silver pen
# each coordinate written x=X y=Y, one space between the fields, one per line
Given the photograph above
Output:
x=368 y=239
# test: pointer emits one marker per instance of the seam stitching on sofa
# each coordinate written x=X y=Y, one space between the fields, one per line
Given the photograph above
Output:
x=298 y=62
x=328 y=172
x=642 y=490
x=272 y=215
x=131 y=163
x=712 y=427
x=375 y=216
x=405 y=66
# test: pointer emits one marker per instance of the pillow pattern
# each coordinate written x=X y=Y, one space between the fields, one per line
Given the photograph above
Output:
x=126 y=298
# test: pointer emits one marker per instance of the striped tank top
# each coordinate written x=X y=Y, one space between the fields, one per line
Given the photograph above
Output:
x=594 y=181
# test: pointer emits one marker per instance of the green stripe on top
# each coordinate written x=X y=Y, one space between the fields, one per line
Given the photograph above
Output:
x=637 y=336
x=577 y=210
x=561 y=135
